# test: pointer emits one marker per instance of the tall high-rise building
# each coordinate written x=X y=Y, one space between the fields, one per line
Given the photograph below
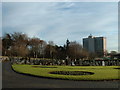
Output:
x=95 y=44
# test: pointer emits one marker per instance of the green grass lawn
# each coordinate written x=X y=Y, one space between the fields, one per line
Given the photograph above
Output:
x=100 y=72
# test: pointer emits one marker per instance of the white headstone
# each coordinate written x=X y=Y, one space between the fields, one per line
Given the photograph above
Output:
x=103 y=63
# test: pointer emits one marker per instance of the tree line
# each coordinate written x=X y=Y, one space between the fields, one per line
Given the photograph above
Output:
x=20 y=45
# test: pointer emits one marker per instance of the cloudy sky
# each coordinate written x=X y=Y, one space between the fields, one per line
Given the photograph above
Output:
x=58 y=21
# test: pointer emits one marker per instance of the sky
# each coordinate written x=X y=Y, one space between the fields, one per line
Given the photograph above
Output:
x=59 y=21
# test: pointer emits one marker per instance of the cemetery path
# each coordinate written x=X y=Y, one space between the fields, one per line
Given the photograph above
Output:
x=12 y=79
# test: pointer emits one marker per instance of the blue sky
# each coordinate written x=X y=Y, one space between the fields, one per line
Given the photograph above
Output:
x=57 y=21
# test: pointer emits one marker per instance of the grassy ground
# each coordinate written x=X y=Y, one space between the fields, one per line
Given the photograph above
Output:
x=100 y=72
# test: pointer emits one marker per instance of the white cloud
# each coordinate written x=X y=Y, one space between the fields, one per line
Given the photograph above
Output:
x=60 y=0
x=0 y=19
x=59 y=21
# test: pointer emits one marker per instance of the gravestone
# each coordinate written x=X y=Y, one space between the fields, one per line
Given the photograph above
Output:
x=103 y=63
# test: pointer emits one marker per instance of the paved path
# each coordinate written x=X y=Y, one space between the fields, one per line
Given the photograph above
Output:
x=12 y=79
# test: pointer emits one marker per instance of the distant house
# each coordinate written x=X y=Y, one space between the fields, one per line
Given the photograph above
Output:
x=95 y=44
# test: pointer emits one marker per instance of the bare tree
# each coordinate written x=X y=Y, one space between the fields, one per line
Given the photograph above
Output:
x=50 y=50
x=75 y=50
x=37 y=47
x=42 y=47
x=84 y=54
x=6 y=44
x=34 y=46
x=20 y=44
